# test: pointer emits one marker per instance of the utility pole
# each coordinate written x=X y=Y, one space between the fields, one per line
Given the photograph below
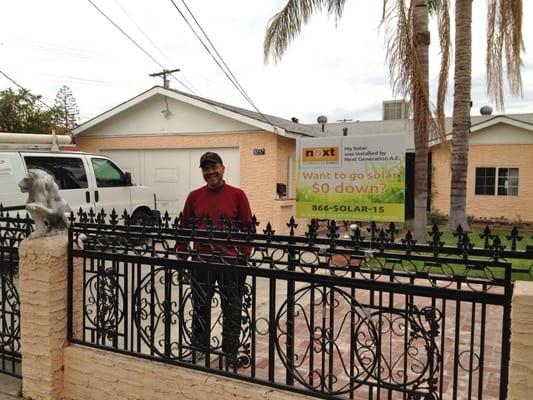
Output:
x=164 y=74
x=345 y=129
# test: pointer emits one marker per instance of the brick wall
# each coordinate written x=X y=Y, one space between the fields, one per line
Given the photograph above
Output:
x=510 y=207
x=258 y=173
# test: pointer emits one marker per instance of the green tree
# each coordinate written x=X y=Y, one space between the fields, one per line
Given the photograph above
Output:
x=504 y=43
x=407 y=55
x=21 y=111
x=68 y=108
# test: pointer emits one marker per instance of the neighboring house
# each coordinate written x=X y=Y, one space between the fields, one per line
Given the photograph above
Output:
x=500 y=169
x=500 y=164
x=160 y=134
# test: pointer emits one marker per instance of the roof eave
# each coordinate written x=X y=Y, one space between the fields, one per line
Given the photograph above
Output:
x=186 y=99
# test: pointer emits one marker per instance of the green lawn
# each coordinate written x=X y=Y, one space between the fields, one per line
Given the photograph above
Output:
x=518 y=264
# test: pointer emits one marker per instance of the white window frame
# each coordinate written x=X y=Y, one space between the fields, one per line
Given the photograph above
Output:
x=496 y=181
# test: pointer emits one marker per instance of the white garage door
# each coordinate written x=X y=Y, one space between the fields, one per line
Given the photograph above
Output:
x=173 y=173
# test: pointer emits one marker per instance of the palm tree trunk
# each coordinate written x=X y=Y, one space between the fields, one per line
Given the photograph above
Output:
x=461 y=112
x=420 y=100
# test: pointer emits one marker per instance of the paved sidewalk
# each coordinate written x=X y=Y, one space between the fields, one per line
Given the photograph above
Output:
x=9 y=387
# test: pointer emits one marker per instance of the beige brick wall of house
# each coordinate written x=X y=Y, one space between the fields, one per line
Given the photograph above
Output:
x=521 y=365
x=258 y=173
x=501 y=155
x=92 y=374
x=507 y=156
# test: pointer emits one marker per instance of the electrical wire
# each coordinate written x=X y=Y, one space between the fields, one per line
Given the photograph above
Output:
x=69 y=78
x=125 y=34
x=226 y=70
x=23 y=88
x=62 y=51
x=218 y=54
x=142 y=31
x=135 y=43
x=191 y=86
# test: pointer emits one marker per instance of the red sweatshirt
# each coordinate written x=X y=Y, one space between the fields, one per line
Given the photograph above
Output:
x=227 y=201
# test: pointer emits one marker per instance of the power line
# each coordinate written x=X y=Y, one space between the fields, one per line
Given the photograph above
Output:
x=226 y=70
x=135 y=43
x=23 y=88
x=125 y=34
x=218 y=54
x=142 y=31
x=190 y=89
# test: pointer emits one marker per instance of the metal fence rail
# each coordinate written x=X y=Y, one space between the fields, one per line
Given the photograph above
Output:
x=13 y=229
x=370 y=316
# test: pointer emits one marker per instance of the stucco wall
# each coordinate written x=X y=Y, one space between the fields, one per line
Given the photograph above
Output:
x=258 y=173
x=43 y=315
x=147 y=118
x=521 y=364
x=494 y=155
x=92 y=374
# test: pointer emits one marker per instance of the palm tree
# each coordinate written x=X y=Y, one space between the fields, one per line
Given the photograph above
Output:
x=504 y=40
x=407 y=55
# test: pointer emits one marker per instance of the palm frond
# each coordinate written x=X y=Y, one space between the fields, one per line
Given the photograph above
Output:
x=504 y=41
x=335 y=8
x=284 y=26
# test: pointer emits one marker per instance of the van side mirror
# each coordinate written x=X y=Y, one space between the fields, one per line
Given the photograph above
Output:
x=127 y=179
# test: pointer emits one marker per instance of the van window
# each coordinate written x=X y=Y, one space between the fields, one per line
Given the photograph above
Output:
x=107 y=174
x=68 y=172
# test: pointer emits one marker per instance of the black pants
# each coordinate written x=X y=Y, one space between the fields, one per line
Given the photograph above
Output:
x=231 y=289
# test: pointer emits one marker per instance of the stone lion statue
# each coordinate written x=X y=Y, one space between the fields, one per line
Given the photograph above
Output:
x=47 y=208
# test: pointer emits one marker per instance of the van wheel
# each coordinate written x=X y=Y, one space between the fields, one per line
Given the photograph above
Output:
x=139 y=217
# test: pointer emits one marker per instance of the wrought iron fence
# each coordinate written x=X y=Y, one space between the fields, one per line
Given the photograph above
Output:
x=366 y=316
x=13 y=229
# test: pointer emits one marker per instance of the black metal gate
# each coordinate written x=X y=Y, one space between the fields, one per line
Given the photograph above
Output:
x=365 y=316
x=12 y=230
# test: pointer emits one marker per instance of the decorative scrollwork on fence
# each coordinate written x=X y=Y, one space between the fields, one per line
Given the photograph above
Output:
x=104 y=305
x=167 y=302
x=10 y=318
x=331 y=317
x=409 y=354
x=391 y=347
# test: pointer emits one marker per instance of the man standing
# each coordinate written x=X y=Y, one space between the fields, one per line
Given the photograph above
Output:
x=221 y=203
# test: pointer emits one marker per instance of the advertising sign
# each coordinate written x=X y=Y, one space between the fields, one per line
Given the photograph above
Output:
x=358 y=178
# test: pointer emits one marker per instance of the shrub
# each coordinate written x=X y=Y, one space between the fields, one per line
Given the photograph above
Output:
x=518 y=222
x=436 y=218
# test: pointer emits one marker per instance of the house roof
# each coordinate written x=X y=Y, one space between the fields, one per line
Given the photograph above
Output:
x=262 y=121
x=478 y=122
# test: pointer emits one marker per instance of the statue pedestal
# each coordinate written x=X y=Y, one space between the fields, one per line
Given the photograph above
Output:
x=43 y=314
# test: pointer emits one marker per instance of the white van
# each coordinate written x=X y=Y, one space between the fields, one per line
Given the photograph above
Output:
x=85 y=181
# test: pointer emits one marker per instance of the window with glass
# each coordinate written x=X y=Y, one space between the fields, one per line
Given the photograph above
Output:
x=493 y=181
x=107 y=174
x=68 y=172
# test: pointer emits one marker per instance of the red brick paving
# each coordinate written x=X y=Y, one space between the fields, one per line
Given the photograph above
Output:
x=467 y=380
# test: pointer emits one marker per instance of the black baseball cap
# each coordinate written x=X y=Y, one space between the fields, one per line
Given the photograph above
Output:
x=210 y=157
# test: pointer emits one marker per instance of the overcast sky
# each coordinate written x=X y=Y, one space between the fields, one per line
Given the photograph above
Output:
x=338 y=71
